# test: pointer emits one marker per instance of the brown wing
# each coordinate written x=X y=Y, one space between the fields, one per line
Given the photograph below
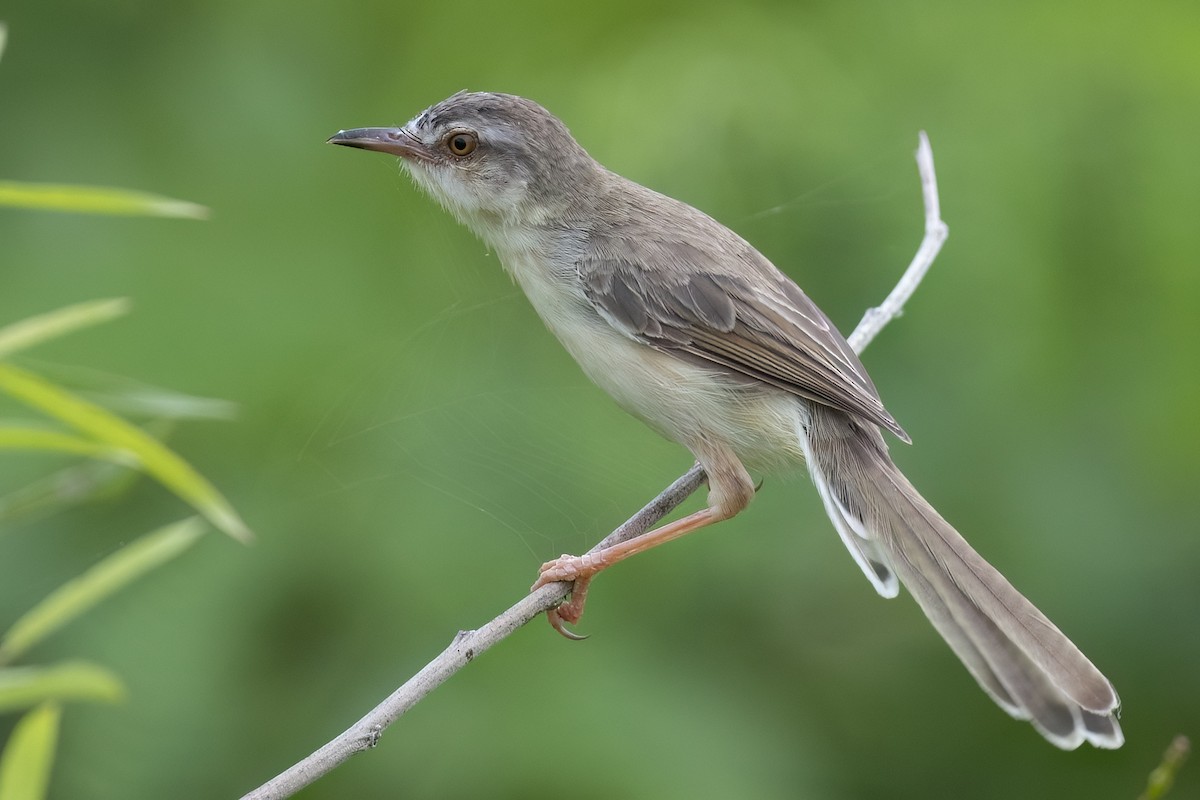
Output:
x=725 y=305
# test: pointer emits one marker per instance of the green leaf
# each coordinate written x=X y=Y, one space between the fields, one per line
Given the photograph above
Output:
x=158 y=462
x=1163 y=776
x=35 y=330
x=3 y=37
x=96 y=200
x=79 y=483
x=28 y=438
x=127 y=396
x=24 y=687
x=27 y=759
x=103 y=579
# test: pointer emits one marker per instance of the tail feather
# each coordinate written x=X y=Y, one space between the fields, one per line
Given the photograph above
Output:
x=1023 y=662
x=862 y=547
x=956 y=636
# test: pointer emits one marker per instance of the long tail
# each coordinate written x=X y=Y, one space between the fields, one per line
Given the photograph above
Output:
x=1016 y=654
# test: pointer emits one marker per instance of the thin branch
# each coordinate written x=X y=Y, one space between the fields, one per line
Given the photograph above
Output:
x=935 y=235
x=364 y=734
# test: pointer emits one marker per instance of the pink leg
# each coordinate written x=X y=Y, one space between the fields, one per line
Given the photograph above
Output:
x=574 y=568
x=581 y=569
x=730 y=490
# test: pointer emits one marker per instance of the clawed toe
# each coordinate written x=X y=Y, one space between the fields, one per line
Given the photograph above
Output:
x=563 y=568
x=570 y=610
x=559 y=623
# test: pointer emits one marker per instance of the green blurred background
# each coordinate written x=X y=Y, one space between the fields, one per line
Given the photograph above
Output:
x=412 y=444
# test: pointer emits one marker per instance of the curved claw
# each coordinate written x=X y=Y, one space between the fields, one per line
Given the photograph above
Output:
x=570 y=611
x=559 y=624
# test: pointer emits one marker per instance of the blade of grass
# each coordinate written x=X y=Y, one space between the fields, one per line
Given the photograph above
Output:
x=84 y=482
x=103 y=579
x=96 y=200
x=1163 y=776
x=51 y=325
x=22 y=438
x=26 y=761
x=25 y=687
x=158 y=462
x=123 y=395
x=3 y=37
x=77 y=484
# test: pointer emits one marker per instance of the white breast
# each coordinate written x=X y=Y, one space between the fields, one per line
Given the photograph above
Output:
x=685 y=402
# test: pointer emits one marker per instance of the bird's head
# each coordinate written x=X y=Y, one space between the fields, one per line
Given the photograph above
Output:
x=493 y=160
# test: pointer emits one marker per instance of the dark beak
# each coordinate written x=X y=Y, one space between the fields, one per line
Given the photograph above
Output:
x=396 y=141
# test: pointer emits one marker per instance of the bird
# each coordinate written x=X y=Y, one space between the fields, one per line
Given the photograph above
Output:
x=692 y=330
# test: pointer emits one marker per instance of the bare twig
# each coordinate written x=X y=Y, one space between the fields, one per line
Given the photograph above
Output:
x=935 y=234
x=364 y=734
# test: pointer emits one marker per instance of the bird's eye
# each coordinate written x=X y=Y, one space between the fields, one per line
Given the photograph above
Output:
x=462 y=143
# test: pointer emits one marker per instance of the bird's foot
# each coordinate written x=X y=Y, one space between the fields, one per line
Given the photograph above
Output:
x=579 y=570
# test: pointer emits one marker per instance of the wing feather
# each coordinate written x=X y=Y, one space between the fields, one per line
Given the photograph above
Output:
x=726 y=306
